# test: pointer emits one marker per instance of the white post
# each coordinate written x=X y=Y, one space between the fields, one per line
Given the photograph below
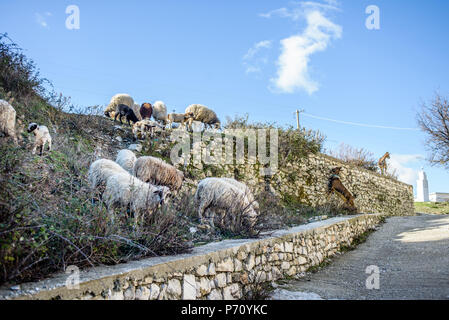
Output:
x=422 y=187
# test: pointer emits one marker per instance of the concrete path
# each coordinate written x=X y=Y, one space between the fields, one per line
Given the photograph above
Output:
x=412 y=254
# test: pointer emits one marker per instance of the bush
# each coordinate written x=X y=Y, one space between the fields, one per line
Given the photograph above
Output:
x=358 y=157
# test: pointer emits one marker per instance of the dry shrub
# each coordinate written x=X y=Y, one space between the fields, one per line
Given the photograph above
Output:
x=358 y=157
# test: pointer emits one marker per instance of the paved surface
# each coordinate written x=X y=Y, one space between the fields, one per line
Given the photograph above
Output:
x=412 y=254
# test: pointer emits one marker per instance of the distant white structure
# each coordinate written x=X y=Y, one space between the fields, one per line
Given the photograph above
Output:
x=439 y=197
x=422 y=187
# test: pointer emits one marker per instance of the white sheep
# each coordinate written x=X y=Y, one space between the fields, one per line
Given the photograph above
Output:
x=101 y=169
x=118 y=99
x=245 y=189
x=126 y=159
x=218 y=193
x=8 y=120
x=144 y=126
x=203 y=114
x=160 y=112
x=42 y=136
x=122 y=190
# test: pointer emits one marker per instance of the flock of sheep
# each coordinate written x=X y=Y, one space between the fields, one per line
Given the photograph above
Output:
x=123 y=105
x=144 y=184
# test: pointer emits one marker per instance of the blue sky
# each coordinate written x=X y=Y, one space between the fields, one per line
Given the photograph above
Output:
x=264 y=58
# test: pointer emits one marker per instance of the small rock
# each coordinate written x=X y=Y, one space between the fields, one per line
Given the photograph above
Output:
x=119 y=139
x=15 y=288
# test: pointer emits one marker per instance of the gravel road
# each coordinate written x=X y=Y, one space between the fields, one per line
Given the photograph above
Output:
x=412 y=256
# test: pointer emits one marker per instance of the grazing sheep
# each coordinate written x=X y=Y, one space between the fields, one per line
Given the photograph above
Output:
x=181 y=118
x=118 y=99
x=203 y=114
x=245 y=189
x=126 y=159
x=8 y=120
x=125 y=111
x=218 y=193
x=160 y=112
x=158 y=172
x=42 y=137
x=101 y=169
x=144 y=126
x=122 y=189
x=146 y=110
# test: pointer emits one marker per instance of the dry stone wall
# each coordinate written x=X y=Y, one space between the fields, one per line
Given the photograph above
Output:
x=305 y=181
x=224 y=270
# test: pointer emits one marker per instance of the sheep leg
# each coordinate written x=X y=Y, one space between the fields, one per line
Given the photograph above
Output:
x=49 y=145
x=115 y=117
x=34 y=149
x=41 y=149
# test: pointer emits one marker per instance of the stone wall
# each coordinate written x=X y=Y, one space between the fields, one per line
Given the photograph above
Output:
x=223 y=270
x=305 y=181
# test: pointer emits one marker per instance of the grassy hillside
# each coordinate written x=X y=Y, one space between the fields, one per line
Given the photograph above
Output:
x=50 y=219
x=432 y=207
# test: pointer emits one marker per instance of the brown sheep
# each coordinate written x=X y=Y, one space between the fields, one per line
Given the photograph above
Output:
x=336 y=185
x=146 y=110
x=158 y=172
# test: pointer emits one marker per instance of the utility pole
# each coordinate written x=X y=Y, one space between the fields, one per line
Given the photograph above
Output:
x=297 y=116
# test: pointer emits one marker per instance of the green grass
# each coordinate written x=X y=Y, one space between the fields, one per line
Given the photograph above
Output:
x=432 y=207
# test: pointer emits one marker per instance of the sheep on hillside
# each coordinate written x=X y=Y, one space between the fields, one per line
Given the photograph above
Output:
x=126 y=159
x=158 y=172
x=122 y=190
x=146 y=110
x=42 y=136
x=245 y=189
x=118 y=99
x=160 y=112
x=141 y=127
x=203 y=114
x=8 y=120
x=181 y=118
x=127 y=112
x=101 y=169
x=217 y=193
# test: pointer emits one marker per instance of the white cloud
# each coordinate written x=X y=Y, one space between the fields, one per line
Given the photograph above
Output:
x=293 y=63
x=251 y=61
x=401 y=164
x=41 y=18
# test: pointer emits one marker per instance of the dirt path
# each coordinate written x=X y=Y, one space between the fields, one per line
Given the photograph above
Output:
x=412 y=254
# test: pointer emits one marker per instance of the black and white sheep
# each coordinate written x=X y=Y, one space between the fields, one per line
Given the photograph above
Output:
x=118 y=99
x=127 y=112
x=42 y=136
